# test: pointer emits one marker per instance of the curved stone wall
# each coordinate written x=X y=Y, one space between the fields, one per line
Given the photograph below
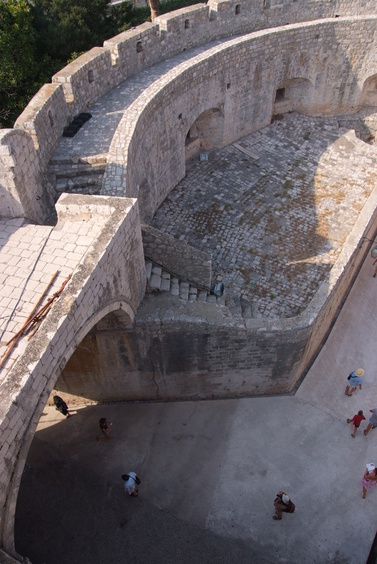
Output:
x=95 y=73
x=237 y=79
x=231 y=78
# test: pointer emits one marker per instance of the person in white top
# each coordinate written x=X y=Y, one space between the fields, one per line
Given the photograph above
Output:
x=131 y=481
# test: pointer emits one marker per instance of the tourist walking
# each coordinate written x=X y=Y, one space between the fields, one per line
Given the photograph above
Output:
x=372 y=421
x=354 y=380
x=369 y=479
x=61 y=406
x=356 y=420
x=105 y=427
x=283 y=504
x=131 y=481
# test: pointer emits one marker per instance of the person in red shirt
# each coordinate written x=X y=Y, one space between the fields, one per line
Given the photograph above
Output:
x=356 y=420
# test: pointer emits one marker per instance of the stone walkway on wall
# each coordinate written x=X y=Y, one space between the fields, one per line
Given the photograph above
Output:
x=30 y=256
x=88 y=149
x=275 y=209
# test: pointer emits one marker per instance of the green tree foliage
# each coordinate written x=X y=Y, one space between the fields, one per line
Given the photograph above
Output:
x=38 y=37
x=67 y=26
x=20 y=68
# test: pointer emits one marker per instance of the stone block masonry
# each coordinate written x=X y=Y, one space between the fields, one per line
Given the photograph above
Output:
x=100 y=241
x=180 y=259
x=100 y=70
x=223 y=87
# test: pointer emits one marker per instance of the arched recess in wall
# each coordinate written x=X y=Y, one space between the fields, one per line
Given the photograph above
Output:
x=293 y=95
x=369 y=92
x=123 y=313
x=205 y=133
x=98 y=368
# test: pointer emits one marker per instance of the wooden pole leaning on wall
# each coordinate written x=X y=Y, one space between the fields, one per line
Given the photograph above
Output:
x=33 y=317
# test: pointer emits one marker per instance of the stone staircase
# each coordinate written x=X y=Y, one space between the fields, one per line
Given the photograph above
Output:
x=81 y=175
x=159 y=280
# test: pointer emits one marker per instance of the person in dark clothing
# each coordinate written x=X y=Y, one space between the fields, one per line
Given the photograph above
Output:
x=61 y=406
x=105 y=427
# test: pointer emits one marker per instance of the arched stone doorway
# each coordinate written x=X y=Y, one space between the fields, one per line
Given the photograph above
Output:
x=205 y=133
x=100 y=367
x=116 y=309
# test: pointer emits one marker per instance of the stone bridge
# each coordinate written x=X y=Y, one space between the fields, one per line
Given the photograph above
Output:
x=195 y=81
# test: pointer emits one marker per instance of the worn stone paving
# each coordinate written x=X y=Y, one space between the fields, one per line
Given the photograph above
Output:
x=275 y=222
x=29 y=257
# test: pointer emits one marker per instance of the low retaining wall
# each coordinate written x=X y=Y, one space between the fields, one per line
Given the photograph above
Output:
x=180 y=259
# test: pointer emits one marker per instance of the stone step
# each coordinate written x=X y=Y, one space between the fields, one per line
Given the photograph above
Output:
x=61 y=160
x=162 y=281
x=80 y=184
x=76 y=170
x=77 y=175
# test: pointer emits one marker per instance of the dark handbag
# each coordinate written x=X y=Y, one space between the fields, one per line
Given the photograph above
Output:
x=126 y=477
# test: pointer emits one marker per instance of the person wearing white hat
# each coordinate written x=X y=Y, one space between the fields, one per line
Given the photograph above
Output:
x=283 y=504
x=354 y=379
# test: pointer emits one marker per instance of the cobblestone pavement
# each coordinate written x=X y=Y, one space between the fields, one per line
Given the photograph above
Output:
x=275 y=208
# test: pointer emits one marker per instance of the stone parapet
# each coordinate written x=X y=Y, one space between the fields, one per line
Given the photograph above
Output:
x=21 y=191
x=135 y=50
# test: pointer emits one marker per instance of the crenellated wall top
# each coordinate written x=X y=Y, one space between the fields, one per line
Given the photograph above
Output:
x=78 y=85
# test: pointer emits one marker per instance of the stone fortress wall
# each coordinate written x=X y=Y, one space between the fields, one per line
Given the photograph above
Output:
x=326 y=66
x=233 y=83
x=79 y=84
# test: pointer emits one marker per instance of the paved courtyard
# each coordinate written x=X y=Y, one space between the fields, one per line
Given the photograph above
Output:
x=276 y=208
x=210 y=471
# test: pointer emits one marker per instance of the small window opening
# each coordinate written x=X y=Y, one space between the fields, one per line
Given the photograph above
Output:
x=228 y=86
x=51 y=120
x=180 y=116
x=139 y=47
x=238 y=9
x=187 y=24
x=90 y=76
x=280 y=94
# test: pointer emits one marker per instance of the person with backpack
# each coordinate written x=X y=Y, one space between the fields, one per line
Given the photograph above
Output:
x=131 y=481
x=283 y=504
x=354 y=380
